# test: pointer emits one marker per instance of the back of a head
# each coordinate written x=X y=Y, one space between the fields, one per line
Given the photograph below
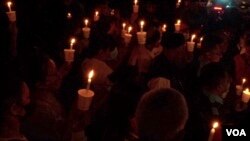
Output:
x=172 y=40
x=161 y=114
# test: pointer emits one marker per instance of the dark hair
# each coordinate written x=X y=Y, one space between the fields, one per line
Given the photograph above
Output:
x=212 y=75
x=172 y=40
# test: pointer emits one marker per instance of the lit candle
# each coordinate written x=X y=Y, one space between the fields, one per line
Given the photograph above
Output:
x=135 y=6
x=178 y=25
x=72 y=42
x=164 y=28
x=199 y=44
x=243 y=82
x=123 y=26
x=9 y=5
x=190 y=45
x=86 y=21
x=142 y=25
x=212 y=131
x=90 y=76
x=246 y=95
x=96 y=17
x=129 y=29
x=69 y=16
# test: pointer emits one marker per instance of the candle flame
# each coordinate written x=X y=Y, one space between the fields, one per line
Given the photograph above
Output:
x=142 y=24
x=135 y=2
x=193 y=37
x=72 y=42
x=123 y=25
x=215 y=125
x=179 y=1
x=246 y=91
x=201 y=39
x=178 y=22
x=69 y=15
x=129 y=29
x=90 y=75
x=9 y=3
x=96 y=13
x=164 y=27
x=86 y=21
x=244 y=81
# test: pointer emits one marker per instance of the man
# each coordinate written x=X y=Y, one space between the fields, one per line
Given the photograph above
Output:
x=161 y=115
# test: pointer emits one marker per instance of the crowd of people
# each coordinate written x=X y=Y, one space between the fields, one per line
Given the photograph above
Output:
x=157 y=91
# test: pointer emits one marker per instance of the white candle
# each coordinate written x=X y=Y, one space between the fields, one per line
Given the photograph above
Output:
x=244 y=80
x=212 y=131
x=142 y=25
x=96 y=17
x=86 y=21
x=246 y=95
x=190 y=45
x=178 y=25
x=9 y=5
x=199 y=44
x=90 y=76
x=72 y=42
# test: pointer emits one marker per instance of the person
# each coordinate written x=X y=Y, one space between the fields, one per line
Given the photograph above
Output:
x=242 y=63
x=168 y=64
x=209 y=105
x=12 y=108
x=161 y=115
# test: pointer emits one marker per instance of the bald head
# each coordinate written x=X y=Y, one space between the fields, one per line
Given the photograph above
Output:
x=161 y=115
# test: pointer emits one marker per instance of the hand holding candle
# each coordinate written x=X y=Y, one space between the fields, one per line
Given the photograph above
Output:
x=212 y=131
x=246 y=95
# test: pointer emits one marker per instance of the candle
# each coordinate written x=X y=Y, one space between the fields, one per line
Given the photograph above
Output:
x=72 y=42
x=164 y=28
x=178 y=25
x=212 y=131
x=112 y=13
x=178 y=3
x=135 y=6
x=246 y=95
x=69 y=16
x=9 y=5
x=190 y=45
x=199 y=44
x=142 y=25
x=123 y=26
x=96 y=17
x=86 y=21
x=90 y=76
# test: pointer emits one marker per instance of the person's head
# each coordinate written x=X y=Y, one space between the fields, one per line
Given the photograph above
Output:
x=211 y=50
x=215 y=79
x=161 y=115
x=173 y=44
